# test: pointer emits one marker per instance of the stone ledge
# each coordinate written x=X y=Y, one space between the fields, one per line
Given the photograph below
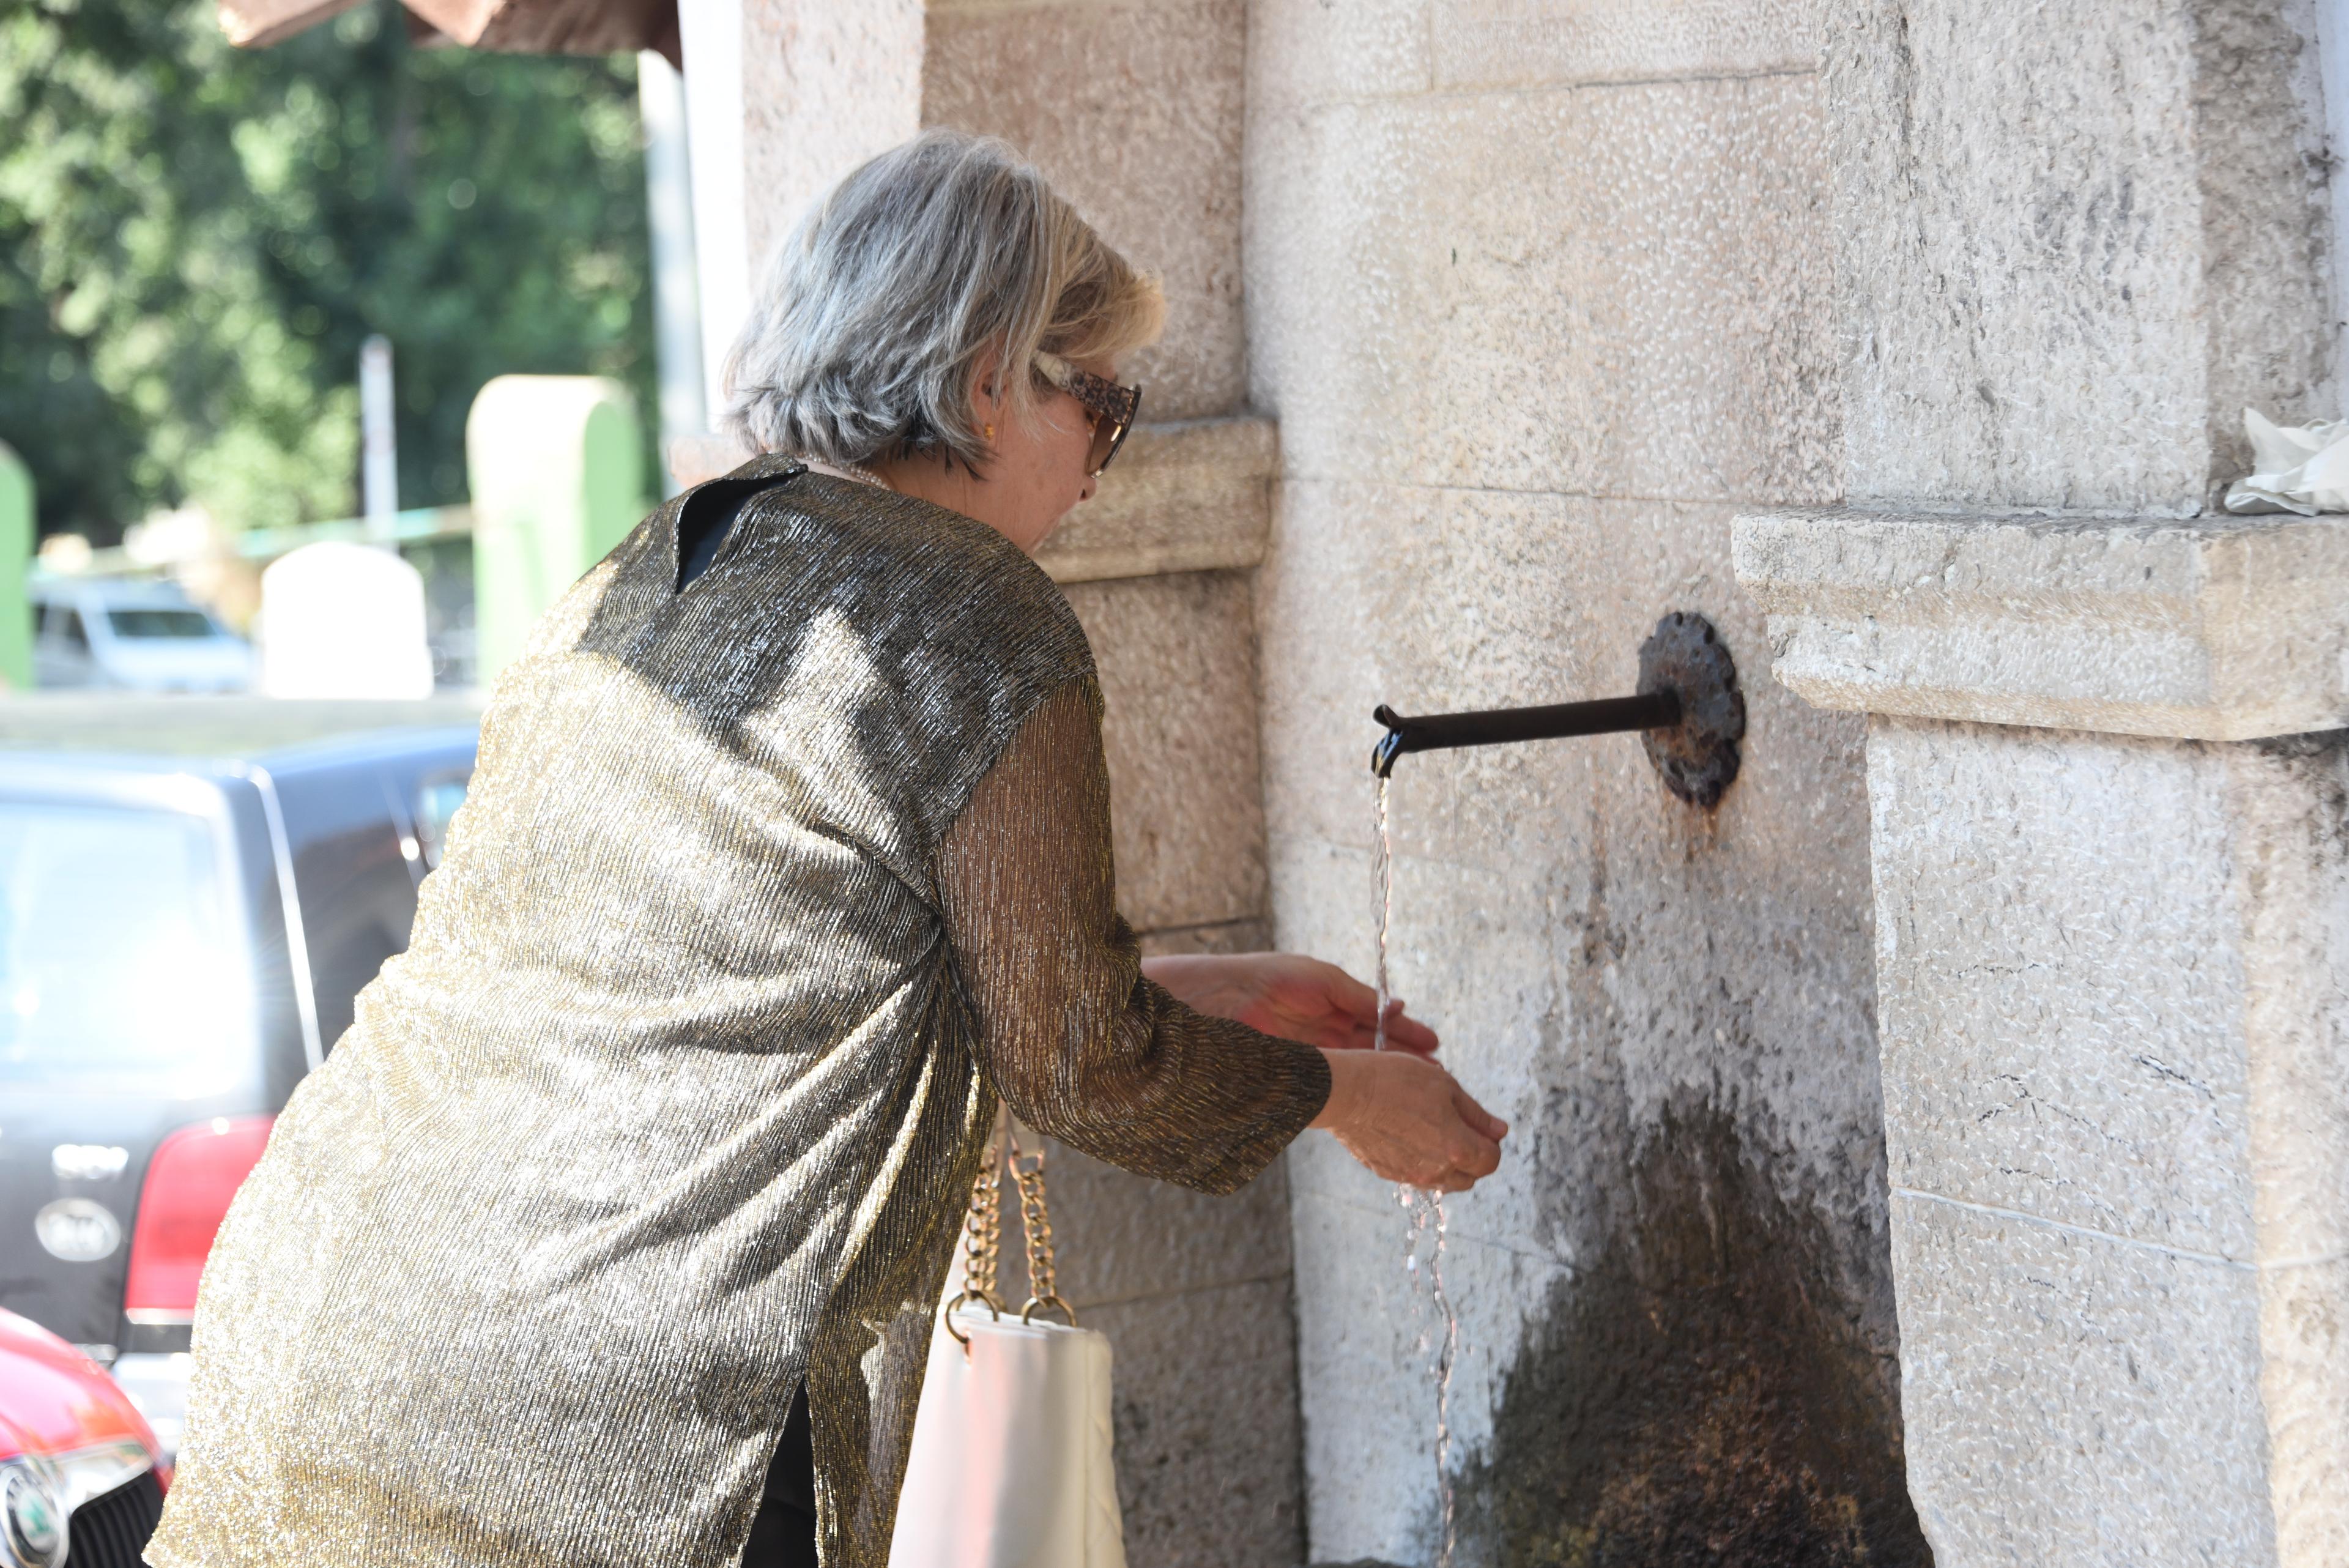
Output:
x=1189 y=497
x=2223 y=628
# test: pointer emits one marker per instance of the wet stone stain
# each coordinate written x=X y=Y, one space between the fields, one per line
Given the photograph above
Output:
x=1698 y=1394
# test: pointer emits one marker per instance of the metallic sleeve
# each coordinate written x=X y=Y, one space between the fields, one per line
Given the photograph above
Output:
x=1076 y=1041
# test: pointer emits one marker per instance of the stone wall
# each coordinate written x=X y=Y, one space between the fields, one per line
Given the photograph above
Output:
x=2073 y=241
x=1540 y=295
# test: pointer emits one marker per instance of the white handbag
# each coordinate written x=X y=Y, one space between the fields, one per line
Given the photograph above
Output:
x=1012 y=1464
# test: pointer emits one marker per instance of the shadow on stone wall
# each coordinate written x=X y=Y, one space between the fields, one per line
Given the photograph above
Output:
x=1697 y=1395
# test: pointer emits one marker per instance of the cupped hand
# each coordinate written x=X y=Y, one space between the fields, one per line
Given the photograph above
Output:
x=1407 y=1120
x=1290 y=995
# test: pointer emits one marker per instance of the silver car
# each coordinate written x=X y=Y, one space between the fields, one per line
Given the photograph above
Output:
x=134 y=635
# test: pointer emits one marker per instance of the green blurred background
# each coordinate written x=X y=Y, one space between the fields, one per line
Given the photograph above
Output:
x=194 y=240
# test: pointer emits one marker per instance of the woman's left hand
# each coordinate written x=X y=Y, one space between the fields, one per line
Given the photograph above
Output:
x=1290 y=995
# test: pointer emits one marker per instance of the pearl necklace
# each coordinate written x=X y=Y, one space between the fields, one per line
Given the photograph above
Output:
x=854 y=473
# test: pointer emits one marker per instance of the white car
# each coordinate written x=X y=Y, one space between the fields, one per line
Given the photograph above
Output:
x=134 y=635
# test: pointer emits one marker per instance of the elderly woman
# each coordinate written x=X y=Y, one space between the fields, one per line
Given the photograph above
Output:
x=612 y=1231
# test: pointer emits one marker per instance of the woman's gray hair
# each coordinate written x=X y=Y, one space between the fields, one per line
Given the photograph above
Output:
x=877 y=308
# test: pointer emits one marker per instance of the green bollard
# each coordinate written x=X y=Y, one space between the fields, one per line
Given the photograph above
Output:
x=16 y=528
x=557 y=466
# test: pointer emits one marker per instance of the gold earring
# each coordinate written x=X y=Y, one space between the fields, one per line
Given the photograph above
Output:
x=990 y=432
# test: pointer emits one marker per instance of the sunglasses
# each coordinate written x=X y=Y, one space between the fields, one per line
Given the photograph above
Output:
x=1112 y=406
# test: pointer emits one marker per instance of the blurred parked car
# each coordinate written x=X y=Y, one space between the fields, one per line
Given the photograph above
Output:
x=192 y=890
x=81 y=1476
x=133 y=634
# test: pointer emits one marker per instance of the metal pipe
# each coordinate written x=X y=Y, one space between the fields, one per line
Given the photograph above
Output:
x=1496 y=726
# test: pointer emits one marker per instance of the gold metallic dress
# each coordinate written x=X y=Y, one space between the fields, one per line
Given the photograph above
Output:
x=763 y=891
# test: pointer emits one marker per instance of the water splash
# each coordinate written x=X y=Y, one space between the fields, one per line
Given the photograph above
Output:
x=1426 y=1213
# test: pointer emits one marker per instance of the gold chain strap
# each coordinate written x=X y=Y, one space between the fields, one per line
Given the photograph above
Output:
x=1027 y=1171
x=982 y=1240
x=983 y=1233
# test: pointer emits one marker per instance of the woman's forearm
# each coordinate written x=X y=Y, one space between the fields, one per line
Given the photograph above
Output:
x=1290 y=995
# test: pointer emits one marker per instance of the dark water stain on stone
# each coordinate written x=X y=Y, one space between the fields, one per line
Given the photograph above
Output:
x=1697 y=1395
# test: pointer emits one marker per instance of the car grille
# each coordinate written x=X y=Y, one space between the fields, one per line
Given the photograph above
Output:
x=110 y=1531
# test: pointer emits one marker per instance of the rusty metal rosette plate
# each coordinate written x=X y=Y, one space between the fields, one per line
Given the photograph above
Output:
x=1698 y=757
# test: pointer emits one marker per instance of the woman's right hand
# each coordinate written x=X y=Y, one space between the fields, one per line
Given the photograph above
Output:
x=1406 y=1120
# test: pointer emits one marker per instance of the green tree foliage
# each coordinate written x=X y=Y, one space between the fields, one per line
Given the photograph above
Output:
x=194 y=239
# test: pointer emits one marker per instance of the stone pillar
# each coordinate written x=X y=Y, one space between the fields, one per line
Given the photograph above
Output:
x=1135 y=114
x=2113 y=967
x=2109 y=872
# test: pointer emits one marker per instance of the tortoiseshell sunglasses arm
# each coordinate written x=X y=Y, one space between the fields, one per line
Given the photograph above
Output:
x=1104 y=399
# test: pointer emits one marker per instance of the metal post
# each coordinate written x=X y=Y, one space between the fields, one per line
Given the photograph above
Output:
x=676 y=295
x=379 y=454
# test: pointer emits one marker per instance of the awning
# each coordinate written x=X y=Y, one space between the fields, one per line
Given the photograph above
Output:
x=513 y=26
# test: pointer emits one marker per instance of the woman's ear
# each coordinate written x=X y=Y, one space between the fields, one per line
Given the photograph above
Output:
x=987 y=392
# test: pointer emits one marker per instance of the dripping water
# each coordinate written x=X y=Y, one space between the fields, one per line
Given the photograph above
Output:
x=1425 y=1209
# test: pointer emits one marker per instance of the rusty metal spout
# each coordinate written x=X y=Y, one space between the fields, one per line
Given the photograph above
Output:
x=1688 y=707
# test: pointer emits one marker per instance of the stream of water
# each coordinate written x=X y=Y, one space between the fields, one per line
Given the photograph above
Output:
x=1427 y=1218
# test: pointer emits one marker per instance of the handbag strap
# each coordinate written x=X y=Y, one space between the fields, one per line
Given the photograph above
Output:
x=1027 y=1171
x=983 y=1231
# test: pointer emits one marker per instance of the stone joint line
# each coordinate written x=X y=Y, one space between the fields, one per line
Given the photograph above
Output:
x=2315 y=1260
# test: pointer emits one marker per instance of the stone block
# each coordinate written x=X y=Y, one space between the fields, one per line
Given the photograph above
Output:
x=2061 y=979
x=1208 y=1450
x=1520 y=43
x=2074 y=243
x=2075 y=1399
x=2288 y=877
x=1178 y=662
x=1192 y=497
x=1616 y=291
x=1302 y=51
x=2218 y=628
x=1122 y=1238
x=1224 y=937
x=2304 y=1388
x=823 y=88
x=1134 y=112
x=1368 y=1343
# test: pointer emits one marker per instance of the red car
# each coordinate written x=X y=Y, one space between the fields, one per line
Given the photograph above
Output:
x=80 y=1471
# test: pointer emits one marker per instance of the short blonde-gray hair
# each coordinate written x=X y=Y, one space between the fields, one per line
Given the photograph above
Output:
x=877 y=308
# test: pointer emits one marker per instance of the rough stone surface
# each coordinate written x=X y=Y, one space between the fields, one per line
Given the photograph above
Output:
x=1521 y=42
x=2216 y=628
x=1207 y=1465
x=1178 y=664
x=824 y=87
x=1302 y=51
x=1673 y=1007
x=1179 y=498
x=1622 y=290
x=1123 y=1238
x=2072 y=1399
x=2075 y=238
x=2061 y=997
x=1133 y=112
x=2112 y=980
